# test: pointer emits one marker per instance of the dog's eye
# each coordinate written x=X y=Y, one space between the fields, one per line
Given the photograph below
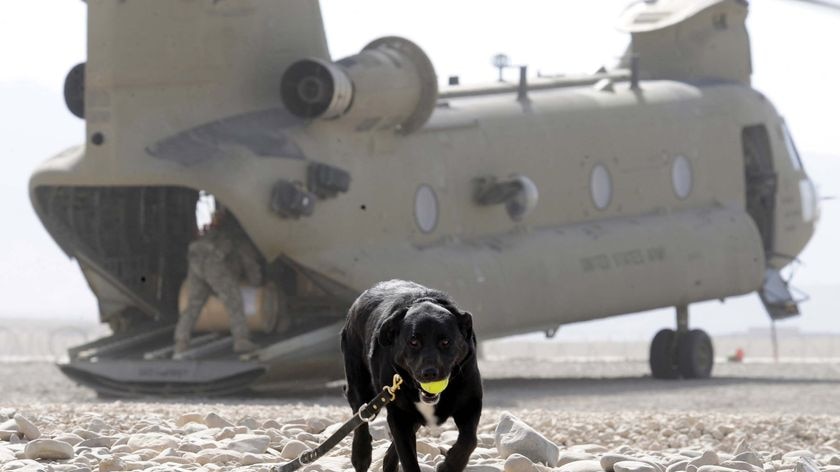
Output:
x=444 y=343
x=414 y=343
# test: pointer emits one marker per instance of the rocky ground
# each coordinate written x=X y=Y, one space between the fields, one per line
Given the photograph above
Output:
x=599 y=417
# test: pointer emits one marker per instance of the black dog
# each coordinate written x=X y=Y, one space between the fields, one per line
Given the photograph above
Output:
x=400 y=327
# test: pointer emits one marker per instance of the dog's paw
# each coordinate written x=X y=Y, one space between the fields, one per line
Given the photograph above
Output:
x=444 y=467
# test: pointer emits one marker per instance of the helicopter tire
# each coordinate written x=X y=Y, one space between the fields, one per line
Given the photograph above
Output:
x=695 y=355
x=663 y=355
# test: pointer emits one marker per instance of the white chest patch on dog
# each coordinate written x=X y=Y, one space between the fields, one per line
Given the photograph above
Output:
x=428 y=412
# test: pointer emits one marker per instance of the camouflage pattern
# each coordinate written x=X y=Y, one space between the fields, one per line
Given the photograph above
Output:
x=218 y=261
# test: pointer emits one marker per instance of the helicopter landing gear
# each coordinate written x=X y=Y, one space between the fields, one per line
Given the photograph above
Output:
x=682 y=353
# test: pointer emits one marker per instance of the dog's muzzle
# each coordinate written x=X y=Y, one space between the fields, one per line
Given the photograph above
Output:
x=429 y=398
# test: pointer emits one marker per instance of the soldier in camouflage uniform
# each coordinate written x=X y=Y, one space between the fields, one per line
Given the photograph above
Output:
x=217 y=262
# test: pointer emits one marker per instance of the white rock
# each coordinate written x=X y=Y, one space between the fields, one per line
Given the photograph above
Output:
x=326 y=433
x=69 y=438
x=249 y=422
x=590 y=448
x=740 y=465
x=29 y=430
x=792 y=456
x=806 y=464
x=85 y=434
x=146 y=454
x=189 y=447
x=99 y=426
x=307 y=437
x=582 y=466
x=317 y=425
x=252 y=443
x=426 y=447
x=6 y=455
x=69 y=468
x=172 y=460
x=9 y=425
x=111 y=465
x=448 y=437
x=377 y=431
x=749 y=458
x=483 y=468
x=271 y=424
x=191 y=428
x=714 y=468
x=218 y=456
x=743 y=446
x=678 y=466
x=225 y=433
x=633 y=466
x=188 y=418
x=25 y=465
x=708 y=457
x=573 y=456
x=292 y=449
x=212 y=420
x=834 y=460
x=49 y=449
x=156 y=441
x=515 y=437
x=609 y=460
x=487 y=440
x=98 y=442
x=518 y=463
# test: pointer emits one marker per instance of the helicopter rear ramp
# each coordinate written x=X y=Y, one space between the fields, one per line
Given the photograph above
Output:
x=138 y=365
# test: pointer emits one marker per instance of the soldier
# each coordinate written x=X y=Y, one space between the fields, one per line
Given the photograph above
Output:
x=217 y=261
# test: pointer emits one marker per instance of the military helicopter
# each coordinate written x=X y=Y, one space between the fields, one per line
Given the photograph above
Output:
x=662 y=182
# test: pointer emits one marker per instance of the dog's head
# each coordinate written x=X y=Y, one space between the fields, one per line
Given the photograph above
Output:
x=429 y=339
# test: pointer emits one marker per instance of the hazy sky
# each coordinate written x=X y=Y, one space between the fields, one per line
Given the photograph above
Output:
x=794 y=59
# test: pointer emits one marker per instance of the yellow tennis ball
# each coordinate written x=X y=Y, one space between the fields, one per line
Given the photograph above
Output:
x=435 y=387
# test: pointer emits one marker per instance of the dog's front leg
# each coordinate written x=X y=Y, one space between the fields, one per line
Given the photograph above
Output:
x=404 y=436
x=467 y=422
x=361 y=455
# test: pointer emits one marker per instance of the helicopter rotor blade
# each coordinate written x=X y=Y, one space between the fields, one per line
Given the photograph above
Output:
x=832 y=4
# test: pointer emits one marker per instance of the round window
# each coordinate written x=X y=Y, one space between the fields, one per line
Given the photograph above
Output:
x=681 y=176
x=601 y=186
x=426 y=209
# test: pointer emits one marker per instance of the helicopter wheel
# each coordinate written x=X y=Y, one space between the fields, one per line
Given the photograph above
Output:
x=663 y=355
x=695 y=355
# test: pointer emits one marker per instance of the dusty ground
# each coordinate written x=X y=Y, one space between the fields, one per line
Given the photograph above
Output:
x=806 y=388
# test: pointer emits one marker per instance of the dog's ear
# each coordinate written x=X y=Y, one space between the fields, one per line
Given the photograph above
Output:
x=465 y=323
x=390 y=328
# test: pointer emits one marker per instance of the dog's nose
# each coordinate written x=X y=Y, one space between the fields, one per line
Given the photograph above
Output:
x=429 y=374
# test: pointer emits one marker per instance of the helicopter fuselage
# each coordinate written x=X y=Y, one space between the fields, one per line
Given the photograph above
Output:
x=679 y=186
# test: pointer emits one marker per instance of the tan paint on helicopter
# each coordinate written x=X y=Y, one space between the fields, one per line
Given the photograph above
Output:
x=550 y=268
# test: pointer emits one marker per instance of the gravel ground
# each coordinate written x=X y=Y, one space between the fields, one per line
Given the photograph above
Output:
x=589 y=410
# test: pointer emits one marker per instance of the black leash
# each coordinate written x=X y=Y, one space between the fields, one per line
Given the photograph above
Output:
x=366 y=414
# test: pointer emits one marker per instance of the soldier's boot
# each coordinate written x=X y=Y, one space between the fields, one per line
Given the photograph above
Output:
x=182 y=345
x=243 y=344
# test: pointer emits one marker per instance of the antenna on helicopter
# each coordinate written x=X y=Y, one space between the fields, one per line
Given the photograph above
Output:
x=501 y=62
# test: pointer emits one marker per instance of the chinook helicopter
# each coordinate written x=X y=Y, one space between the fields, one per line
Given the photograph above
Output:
x=662 y=182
